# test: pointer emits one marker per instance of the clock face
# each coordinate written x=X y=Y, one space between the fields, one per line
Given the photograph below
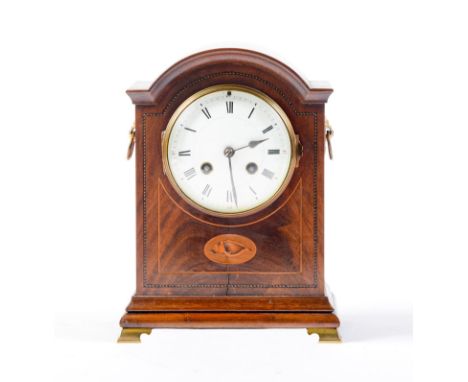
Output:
x=229 y=150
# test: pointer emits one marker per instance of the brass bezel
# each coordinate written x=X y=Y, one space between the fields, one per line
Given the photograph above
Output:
x=211 y=89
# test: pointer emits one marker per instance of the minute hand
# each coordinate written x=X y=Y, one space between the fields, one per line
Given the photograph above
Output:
x=252 y=144
x=234 y=193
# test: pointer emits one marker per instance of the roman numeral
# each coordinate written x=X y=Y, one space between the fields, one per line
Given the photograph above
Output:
x=264 y=131
x=190 y=173
x=251 y=112
x=229 y=107
x=189 y=129
x=253 y=191
x=273 y=151
x=185 y=153
x=207 y=190
x=269 y=174
x=206 y=112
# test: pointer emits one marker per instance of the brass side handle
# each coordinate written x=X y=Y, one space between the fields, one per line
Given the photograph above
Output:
x=131 y=145
x=329 y=135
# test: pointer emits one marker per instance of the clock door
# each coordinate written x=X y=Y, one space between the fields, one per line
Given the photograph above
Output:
x=274 y=251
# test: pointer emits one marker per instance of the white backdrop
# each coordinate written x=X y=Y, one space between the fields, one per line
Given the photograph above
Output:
x=396 y=191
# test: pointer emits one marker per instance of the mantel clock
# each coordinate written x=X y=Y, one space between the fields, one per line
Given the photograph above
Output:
x=230 y=148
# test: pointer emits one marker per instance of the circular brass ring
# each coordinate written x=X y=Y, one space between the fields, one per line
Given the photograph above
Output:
x=211 y=89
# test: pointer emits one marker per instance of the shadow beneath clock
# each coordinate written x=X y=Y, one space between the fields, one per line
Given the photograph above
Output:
x=377 y=325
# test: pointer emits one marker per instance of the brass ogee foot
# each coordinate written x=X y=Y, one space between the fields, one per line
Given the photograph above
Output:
x=132 y=335
x=325 y=334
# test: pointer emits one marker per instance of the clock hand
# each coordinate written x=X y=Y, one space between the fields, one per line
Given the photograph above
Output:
x=252 y=144
x=232 y=181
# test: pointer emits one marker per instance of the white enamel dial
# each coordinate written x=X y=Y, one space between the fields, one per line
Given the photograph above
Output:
x=229 y=150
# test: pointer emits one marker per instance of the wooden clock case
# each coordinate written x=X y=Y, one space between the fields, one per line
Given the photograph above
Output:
x=177 y=285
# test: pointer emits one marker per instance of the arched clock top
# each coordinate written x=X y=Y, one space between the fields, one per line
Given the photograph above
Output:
x=237 y=66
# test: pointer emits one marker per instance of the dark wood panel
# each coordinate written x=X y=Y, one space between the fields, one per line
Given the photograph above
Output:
x=287 y=232
x=195 y=320
x=181 y=241
x=300 y=304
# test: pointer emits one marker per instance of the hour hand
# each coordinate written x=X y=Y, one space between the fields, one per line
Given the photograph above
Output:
x=252 y=144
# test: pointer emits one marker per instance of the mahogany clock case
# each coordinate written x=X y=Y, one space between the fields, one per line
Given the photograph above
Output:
x=283 y=284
